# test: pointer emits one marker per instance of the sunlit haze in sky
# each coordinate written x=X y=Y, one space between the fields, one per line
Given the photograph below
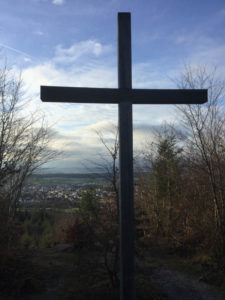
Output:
x=74 y=43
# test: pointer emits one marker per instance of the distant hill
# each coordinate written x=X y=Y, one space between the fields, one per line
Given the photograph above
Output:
x=66 y=178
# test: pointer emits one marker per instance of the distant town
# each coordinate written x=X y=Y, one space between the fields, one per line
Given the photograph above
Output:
x=49 y=191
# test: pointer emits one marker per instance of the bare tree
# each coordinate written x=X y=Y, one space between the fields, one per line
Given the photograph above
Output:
x=24 y=141
x=205 y=127
x=109 y=163
x=108 y=235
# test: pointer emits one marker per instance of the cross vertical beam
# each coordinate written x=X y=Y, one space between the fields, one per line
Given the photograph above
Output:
x=125 y=96
x=127 y=281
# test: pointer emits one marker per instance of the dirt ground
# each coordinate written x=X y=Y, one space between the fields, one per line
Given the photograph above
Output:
x=57 y=273
x=177 y=286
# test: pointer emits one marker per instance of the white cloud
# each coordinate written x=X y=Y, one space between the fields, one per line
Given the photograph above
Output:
x=89 y=63
x=103 y=125
x=58 y=2
x=27 y=59
x=57 y=71
x=39 y=32
x=81 y=145
x=78 y=50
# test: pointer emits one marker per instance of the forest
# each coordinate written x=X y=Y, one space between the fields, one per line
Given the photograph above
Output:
x=179 y=204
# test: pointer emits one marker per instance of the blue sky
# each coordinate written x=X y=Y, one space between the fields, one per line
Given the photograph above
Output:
x=74 y=43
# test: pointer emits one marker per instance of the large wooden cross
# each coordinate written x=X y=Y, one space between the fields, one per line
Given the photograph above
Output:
x=124 y=96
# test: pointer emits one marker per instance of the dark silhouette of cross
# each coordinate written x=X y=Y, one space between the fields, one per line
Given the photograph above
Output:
x=124 y=96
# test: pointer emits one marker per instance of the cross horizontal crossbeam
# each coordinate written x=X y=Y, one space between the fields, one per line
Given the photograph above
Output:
x=118 y=95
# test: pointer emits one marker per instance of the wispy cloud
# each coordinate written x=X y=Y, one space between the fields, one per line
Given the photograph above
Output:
x=39 y=32
x=58 y=2
x=16 y=50
x=77 y=50
x=27 y=59
x=202 y=48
